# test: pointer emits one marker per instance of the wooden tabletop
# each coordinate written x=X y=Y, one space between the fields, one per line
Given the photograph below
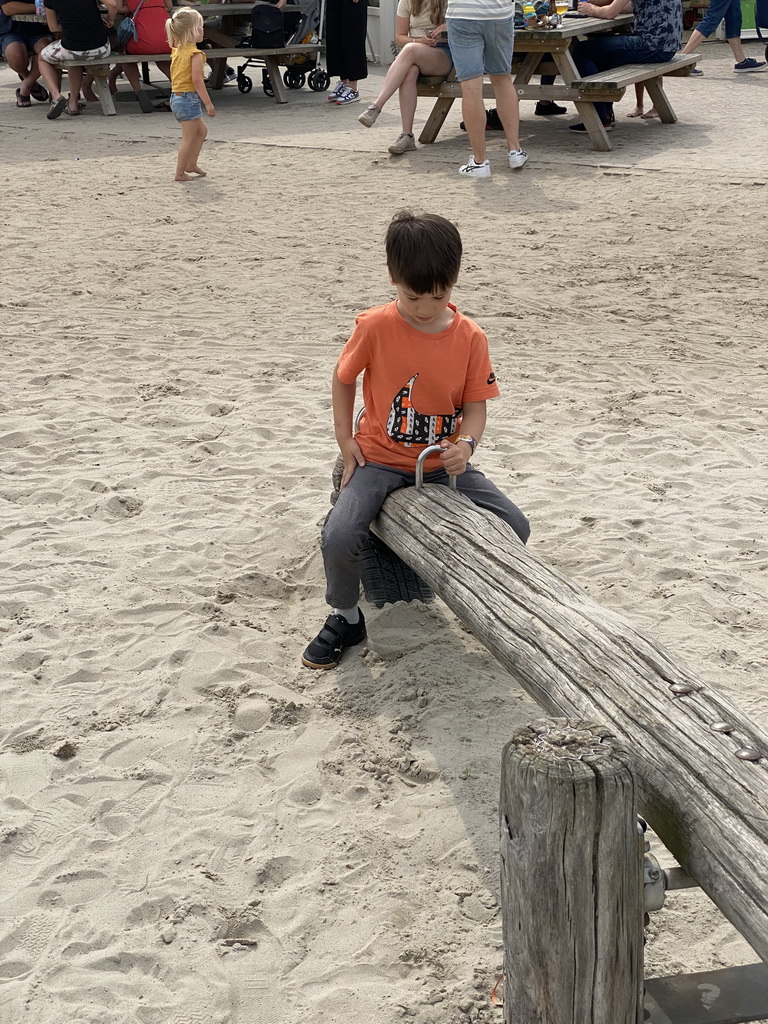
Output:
x=574 y=27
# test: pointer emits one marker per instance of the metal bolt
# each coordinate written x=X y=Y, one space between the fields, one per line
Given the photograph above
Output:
x=680 y=688
x=748 y=754
x=721 y=727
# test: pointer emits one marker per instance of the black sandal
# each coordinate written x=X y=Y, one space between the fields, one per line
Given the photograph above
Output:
x=333 y=639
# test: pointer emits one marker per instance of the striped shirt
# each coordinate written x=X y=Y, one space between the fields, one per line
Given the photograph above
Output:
x=481 y=10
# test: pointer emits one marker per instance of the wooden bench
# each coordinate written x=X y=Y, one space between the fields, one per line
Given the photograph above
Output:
x=606 y=86
x=217 y=58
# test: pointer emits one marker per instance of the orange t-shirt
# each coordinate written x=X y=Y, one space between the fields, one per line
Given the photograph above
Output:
x=414 y=384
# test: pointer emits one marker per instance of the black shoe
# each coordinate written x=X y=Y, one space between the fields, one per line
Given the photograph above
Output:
x=333 y=639
x=549 y=109
x=582 y=128
x=492 y=121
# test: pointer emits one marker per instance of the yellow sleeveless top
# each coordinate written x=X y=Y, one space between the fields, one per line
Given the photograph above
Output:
x=181 y=67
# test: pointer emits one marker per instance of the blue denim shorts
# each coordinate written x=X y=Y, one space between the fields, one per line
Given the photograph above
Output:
x=29 y=39
x=186 y=106
x=481 y=47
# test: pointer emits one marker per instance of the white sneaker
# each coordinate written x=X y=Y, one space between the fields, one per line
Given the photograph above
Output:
x=348 y=96
x=475 y=170
x=517 y=157
x=337 y=90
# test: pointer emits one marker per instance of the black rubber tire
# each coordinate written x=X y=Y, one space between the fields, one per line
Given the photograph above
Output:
x=319 y=80
x=244 y=83
x=294 y=79
x=386 y=577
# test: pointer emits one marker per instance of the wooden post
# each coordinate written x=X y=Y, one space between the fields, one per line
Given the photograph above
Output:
x=571 y=878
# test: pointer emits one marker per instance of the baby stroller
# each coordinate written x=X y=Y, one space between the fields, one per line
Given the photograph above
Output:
x=271 y=27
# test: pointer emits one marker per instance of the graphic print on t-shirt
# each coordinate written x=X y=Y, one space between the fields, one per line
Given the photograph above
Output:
x=409 y=426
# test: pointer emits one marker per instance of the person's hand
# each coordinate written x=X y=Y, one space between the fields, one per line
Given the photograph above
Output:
x=353 y=457
x=210 y=110
x=588 y=9
x=427 y=38
x=455 y=457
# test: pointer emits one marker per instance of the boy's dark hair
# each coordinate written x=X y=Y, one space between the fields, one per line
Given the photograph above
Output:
x=423 y=252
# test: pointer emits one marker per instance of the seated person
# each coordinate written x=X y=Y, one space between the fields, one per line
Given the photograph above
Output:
x=20 y=44
x=83 y=31
x=420 y=32
x=149 y=19
x=656 y=37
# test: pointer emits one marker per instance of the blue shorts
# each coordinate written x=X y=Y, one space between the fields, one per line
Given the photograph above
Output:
x=28 y=39
x=481 y=47
x=186 y=106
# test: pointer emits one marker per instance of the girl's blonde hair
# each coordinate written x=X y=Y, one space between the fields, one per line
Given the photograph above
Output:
x=436 y=9
x=183 y=26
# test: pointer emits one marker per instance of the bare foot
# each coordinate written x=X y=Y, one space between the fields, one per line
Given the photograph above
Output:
x=651 y=113
x=183 y=177
x=196 y=170
x=90 y=95
x=637 y=112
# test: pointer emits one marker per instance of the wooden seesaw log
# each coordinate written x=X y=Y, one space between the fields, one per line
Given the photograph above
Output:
x=701 y=764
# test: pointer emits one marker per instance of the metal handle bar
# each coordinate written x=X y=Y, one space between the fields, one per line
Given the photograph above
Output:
x=419 y=481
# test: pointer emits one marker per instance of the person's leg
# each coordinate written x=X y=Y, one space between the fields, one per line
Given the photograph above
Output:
x=485 y=494
x=467 y=43
x=716 y=11
x=51 y=75
x=508 y=108
x=733 y=30
x=408 y=97
x=473 y=115
x=347 y=526
x=164 y=67
x=17 y=58
x=133 y=76
x=202 y=133
x=426 y=60
x=639 y=106
x=75 y=76
x=189 y=136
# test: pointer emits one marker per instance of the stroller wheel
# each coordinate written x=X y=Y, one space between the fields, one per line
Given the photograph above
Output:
x=266 y=85
x=244 y=83
x=294 y=79
x=319 y=80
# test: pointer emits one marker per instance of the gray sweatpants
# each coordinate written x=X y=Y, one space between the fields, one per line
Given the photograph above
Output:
x=347 y=526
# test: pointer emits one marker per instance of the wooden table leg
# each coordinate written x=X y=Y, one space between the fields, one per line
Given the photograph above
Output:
x=569 y=73
x=101 y=77
x=660 y=100
x=218 y=69
x=436 y=119
x=594 y=126
x=276 y=79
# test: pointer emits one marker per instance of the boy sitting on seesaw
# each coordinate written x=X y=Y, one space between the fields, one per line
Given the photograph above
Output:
x=426 y=376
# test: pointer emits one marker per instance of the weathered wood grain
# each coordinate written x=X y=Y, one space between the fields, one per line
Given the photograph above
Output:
x=578 y=659
x=571 y=877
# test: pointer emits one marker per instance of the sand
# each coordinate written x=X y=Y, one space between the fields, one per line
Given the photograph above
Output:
x=194 y=827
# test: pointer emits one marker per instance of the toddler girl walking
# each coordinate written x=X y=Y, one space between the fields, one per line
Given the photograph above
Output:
x=188 y=93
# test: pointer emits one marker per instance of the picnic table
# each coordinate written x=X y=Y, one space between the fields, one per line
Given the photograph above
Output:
x=226 y=45
x=547 y=51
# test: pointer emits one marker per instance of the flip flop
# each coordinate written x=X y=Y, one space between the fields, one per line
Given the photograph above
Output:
x=71 y=112
x=56 y=108
x=164 y=105
x=39 y=93
x=22 y=101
